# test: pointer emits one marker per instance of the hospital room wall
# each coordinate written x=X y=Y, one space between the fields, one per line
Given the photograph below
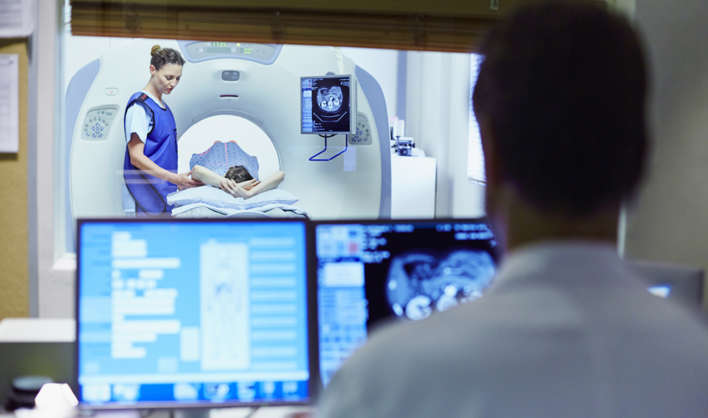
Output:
x=669 y=220
x=437 y=115
x=14 y=283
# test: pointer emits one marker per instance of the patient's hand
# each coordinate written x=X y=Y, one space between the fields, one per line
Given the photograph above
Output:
x=242 y=189
x=229 y=186
x=249 y=184
x=250 y=188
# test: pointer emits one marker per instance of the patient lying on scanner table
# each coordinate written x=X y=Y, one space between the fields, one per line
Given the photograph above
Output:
x=237 y=181
x=233 y=187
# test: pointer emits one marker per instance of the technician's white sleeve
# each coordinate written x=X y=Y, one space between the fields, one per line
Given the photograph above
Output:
x=137 y=120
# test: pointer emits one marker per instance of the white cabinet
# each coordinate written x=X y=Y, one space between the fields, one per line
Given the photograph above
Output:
x=412 y=187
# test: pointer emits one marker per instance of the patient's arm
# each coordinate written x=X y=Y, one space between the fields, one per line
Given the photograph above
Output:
x=238 y=189
x=209 y=177
x=270 y=183
x=206 y=176
x=244 y=189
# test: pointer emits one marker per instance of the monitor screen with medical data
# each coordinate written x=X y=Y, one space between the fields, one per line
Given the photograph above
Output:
x=327 y=105
x=369 y=272
x=191 y=312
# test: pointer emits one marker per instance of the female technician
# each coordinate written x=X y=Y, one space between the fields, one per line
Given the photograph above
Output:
x=150 y=165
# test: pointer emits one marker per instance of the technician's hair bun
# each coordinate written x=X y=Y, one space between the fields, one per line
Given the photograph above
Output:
x=161 y=56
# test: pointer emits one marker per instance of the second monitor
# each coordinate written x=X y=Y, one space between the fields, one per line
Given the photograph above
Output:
x=371 y=271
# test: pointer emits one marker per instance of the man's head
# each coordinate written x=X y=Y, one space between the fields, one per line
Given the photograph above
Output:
x=560 y=100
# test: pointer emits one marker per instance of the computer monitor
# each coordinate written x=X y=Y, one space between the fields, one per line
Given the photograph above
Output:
x=369 y=272
x=176 y=313
x=327 y=105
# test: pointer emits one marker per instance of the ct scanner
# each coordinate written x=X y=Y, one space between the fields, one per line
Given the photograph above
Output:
x=258 y=82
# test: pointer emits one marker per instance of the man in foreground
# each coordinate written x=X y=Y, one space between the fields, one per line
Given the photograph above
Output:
x=566 y=330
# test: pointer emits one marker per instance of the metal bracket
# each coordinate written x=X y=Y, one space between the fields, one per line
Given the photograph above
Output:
x=346 y=146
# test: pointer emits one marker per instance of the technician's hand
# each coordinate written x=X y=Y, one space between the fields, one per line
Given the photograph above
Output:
x=184 y=181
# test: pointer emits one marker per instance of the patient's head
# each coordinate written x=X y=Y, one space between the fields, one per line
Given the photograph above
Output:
x=560 y=99
x=238 y=173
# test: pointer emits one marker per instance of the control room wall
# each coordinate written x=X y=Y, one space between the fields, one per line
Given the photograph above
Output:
x=14 y=283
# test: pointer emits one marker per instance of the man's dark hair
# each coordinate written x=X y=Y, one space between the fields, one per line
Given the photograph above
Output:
x=238 y=173
x=562 y=91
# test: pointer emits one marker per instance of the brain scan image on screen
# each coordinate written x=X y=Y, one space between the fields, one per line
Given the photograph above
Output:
x=421 y=282
x=330 y=99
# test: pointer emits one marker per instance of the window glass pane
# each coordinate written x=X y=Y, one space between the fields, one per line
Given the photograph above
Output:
x=98 y=75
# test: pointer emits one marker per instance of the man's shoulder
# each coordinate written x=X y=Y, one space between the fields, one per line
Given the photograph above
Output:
x=410 y=351
x=403 y=363
x=480 y=352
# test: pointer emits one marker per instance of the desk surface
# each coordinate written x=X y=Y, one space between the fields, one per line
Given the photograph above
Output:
x=31 y=330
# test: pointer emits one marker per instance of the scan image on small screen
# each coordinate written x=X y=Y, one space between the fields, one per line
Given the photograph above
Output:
x=372 y=272
x=326 y=104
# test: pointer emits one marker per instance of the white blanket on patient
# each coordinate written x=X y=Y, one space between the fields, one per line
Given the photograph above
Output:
x=275 y=210
x=218 y=198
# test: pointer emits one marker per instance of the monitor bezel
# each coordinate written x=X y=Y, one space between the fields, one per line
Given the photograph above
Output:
x=352 y=105
x=313 y=282
x=311 y=323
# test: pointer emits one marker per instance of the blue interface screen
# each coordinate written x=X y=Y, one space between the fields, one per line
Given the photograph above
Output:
x=368 y=273
x=192 y=312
